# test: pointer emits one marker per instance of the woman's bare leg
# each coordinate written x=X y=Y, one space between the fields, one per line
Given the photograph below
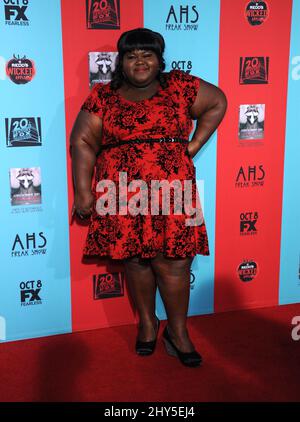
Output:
x=142 y=287
x=173 y=278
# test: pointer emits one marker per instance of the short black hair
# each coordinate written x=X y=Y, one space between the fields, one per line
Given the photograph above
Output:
x=139 y=39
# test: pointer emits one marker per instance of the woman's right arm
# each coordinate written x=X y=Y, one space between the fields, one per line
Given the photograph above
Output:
x=85 y=143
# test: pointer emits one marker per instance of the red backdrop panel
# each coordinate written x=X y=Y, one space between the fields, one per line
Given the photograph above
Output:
x=78 y=41
x=239 y=39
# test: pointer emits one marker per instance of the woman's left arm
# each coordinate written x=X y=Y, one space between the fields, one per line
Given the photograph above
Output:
x=209 y=109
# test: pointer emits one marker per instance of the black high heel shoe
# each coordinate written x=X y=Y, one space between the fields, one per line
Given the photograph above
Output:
x=191 y=359
x=146 y=348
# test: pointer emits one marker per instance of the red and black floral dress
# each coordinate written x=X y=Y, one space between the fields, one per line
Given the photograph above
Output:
x=142 y=142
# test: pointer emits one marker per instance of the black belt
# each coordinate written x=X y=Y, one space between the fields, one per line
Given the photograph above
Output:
x=140 y=141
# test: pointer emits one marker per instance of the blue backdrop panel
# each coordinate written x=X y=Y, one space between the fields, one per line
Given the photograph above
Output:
x=289 y=291
x=191 y=32
x=34 y=242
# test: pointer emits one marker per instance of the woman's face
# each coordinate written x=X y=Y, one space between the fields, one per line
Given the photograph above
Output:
x=140 y=66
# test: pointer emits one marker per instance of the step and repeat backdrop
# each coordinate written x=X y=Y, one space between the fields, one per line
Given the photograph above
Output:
x=51 y=55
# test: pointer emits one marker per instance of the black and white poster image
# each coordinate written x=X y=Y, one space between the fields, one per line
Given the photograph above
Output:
x=23 y=131
x=251 y=121
x=25 y=186
x=101 y=66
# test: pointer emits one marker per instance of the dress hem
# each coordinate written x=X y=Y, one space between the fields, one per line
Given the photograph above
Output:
x=143 y=255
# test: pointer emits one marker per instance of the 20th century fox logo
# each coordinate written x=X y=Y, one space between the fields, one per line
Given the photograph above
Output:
x=30 y=292
x=15 y=12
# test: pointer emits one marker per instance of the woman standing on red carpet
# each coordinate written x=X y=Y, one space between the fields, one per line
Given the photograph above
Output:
x=135 y=132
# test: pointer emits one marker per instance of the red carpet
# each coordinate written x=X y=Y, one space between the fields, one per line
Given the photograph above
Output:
x=248 y=356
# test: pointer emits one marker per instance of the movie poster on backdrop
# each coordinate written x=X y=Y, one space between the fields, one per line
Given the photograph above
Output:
x=25 y=186
x=101 y=66
x=251 y=121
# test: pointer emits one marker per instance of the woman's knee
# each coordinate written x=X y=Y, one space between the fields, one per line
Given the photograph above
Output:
x=171 y=266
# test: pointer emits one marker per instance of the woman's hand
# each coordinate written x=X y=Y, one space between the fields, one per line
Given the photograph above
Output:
x=192 y=149
x=83 y=204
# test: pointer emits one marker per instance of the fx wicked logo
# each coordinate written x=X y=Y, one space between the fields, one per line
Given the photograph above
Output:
x=30 y=292
x=248 y=222
x=15 y=12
